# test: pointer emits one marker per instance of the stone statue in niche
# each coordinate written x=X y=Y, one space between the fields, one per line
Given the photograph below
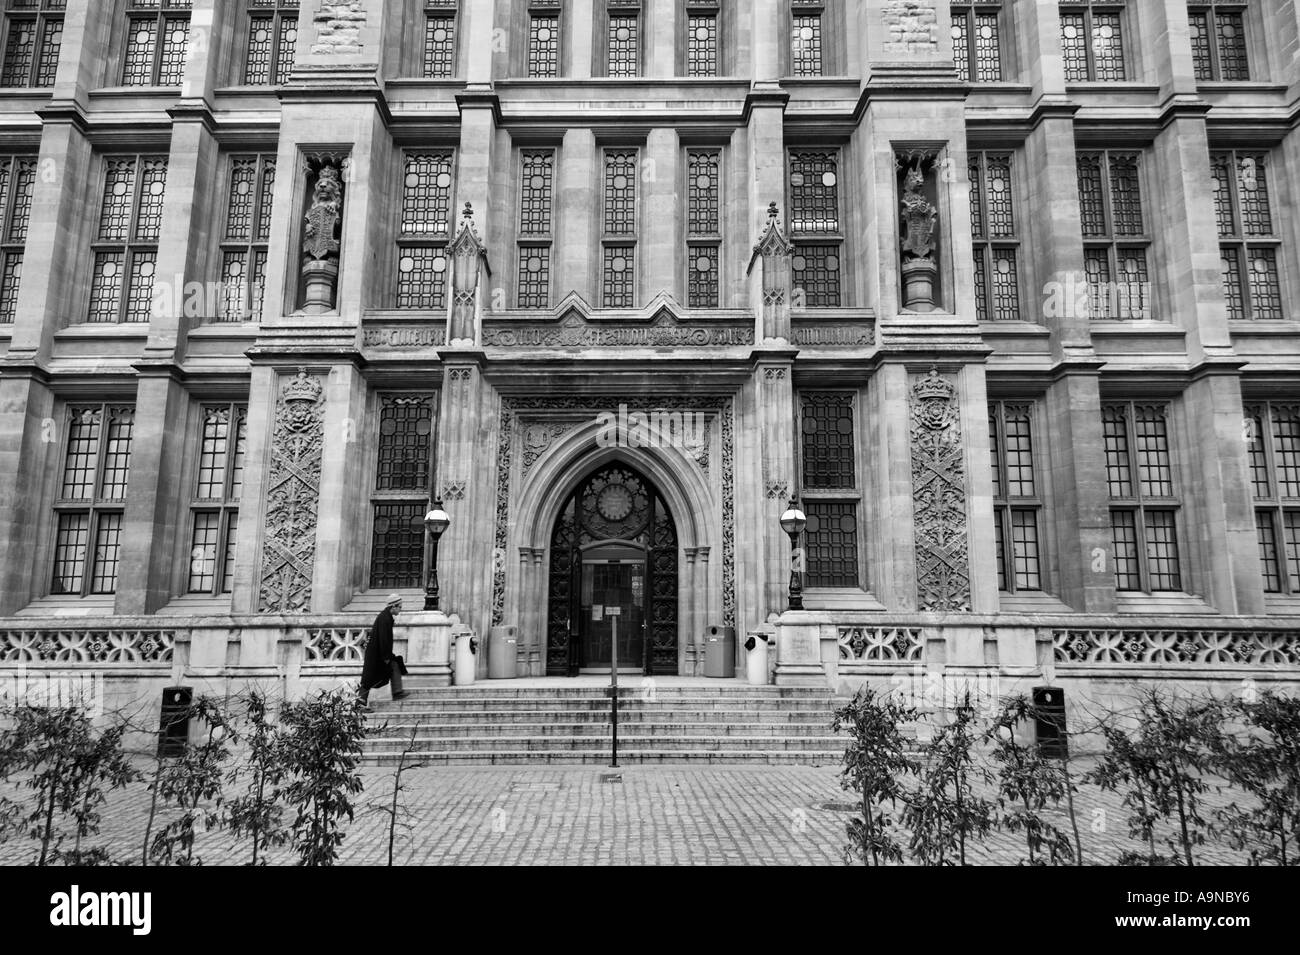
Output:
x=320 y=243
x=919 y=219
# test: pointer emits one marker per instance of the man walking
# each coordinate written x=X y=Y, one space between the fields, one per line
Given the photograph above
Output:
x=381 y=667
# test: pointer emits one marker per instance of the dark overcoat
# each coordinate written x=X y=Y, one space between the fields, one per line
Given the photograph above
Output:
x=378 y=667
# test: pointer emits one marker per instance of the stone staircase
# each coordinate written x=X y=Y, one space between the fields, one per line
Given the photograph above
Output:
x=486 y=724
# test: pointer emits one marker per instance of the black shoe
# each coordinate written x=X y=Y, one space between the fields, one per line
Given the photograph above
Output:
x=401 y=696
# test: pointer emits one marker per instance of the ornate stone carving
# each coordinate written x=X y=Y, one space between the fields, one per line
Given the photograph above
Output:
x=453 y=491
x=773 y=251
x=334 y=644
x=538 y=436
x=459 y=375
x=939 y=497
x=292 y=497
x=919 y=218
x=512 y=422
x=467 y=254
x=881 y=644
x=67 y=645
x=321 y=236
x=403 y=337
x=1147 y=646
x=833 y=335
x=777 y=490
x=774 y=374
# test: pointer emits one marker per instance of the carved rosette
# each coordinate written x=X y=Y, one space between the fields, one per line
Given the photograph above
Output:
x=939 y=496
x=292 y=497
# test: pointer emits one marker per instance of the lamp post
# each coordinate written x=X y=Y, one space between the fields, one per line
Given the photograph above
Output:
x=793 y=521
x=435 y=522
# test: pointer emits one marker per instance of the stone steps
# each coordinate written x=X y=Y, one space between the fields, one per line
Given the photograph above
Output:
x=697 y=724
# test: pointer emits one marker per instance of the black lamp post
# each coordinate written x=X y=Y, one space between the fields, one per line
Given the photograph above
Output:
x=793 y=521
x=435 y=522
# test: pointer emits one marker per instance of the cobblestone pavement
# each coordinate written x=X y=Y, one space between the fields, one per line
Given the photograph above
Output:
x=658 y=815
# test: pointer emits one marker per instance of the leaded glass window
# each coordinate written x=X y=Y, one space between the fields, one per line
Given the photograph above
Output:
x=1248 y=241
x=977 y=42
x=619 y=224
x=703 y=226
x=623 y=38
x=440 y=39
x=806 y=39
x=544 y=40
x=1144 y=502
x=536 y=227
x=815 y=226
x=272 y=40
x=1092 y=40
x=247 y=233
x=91 y=498
x=157 y=41
x=1218 y=30
x=1017 y=500
x=424 y=229
x=17 y=181
x=1273 y=444
x=125 y=248
x=832 y=494
x=402 y=485
x=223 y=447
x=33 y=39
x=995 y=239
x=1115 y=235
x=702 y=56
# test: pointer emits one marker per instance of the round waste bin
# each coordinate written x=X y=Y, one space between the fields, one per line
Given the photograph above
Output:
x=720 y=652
x=503 y=644
x=466 y=661
x=756 y=661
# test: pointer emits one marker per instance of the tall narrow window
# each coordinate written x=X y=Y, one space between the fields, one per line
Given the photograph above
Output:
x=215 y=507
x=619 y=228
x=544 y=38
x=1248 y=242
x=702 y=39
x=831 y=493
x=272 y=39
x=244 y=243
x=157 y=40
x=17 y=179
x=1218 y=30
x=1274 y=448
x=815 y=227
x=440 y=39
x=33 y=38
x=422 y=239
x=977 y=41
x=536 y=227
x=1017 y=503
x=623 y=38
x=401 y=490
x=91 y=499
x=1092 y=40
x=703 y=227
x=1115 y=235
x=1143 y=499
x=995 y=240
x=806 y=39
x=126 y=243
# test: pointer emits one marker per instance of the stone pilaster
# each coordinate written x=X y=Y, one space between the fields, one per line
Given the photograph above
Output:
x=662 y=28
x=776 y=413
x=29 y=442
x=891 y=559
x=342 y=514
x=576 y=219
x=263 y=394
x=660 y=236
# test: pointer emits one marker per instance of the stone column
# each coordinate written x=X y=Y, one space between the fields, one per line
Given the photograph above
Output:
x=888 y=518
x=660 y=238
x=29 y=439
x=343 y=515
x=688 y=610
x=536 y=660
x=577 y=215
x=774 y=384
x=263 y=394
x=704 y=604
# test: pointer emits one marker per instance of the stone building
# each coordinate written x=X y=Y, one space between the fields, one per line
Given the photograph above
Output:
x=997 y=290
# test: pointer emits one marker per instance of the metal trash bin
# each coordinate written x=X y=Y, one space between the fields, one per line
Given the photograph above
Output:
x=174 y=726
x=756 y=661
x=720 y=652
x=1049 y=722
x=503 y=649
x=466 y=657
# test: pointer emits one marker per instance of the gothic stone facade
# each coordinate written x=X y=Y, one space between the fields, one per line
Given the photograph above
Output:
x=1001 y=291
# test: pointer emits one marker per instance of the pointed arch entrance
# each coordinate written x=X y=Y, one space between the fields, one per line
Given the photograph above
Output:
x=614 y=543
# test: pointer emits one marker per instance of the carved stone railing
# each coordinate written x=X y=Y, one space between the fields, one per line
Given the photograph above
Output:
x=71 y=644
x=1177 y=646
x=881 y=644
x=335 y=644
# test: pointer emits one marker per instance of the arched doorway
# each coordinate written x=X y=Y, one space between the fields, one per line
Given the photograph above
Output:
x=614 y=544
